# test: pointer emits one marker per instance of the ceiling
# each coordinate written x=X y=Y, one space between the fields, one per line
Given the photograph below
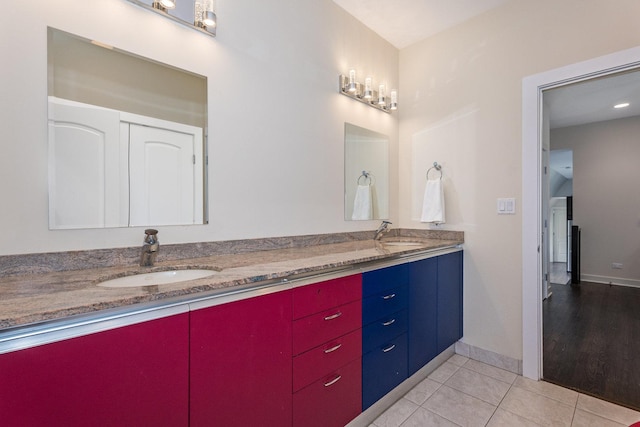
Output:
x=593 y=100
x=404 y=22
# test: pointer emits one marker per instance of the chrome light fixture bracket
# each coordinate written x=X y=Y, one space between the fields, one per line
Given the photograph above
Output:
x=184 y=14
x=372 y=99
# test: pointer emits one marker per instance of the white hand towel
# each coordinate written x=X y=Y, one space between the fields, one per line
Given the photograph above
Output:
x=433 y=203
x=362 y=207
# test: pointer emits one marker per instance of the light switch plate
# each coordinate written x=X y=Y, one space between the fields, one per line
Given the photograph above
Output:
x=506 y=206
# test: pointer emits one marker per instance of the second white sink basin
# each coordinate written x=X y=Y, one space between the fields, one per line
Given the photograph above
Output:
x=157 y=278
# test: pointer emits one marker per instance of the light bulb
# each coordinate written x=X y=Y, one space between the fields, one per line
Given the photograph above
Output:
x=169 y=4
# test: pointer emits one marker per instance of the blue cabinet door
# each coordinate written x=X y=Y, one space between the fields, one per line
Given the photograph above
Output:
x=383 y=369
x=423 y=326
x=449 y=299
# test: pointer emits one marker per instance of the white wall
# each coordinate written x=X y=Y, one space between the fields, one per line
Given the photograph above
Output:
x=276 y=119
x=606 y=204
x=462 y=106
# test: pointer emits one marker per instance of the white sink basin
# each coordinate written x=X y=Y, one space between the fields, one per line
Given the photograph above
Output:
x=156 y=278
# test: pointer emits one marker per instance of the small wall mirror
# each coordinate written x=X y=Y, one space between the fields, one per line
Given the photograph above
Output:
x=126 y=138
x=366 y=174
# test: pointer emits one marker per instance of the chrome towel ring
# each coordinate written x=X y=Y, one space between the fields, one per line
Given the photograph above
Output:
x=437 y=167
x=367 y=176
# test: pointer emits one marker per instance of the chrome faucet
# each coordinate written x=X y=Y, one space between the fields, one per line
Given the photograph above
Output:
x=150 y=248
x=384 y=228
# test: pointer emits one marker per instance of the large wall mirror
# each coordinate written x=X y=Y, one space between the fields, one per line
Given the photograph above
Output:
x=126 y=138
x=366 y=174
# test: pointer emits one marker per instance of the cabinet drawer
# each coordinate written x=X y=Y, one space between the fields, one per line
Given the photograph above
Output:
x=332 y=401
x=384 y=303
x=322 y=360
x=312 y=331
x=322 y=296
x=385 y=329
x=383 y=369
x=377 y=281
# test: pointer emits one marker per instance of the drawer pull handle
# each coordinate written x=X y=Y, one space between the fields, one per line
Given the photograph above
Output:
x=332 y=349
x=333 y=381
x=333 y=316
x=391 y=347
x=389 y=296
x=389 y=322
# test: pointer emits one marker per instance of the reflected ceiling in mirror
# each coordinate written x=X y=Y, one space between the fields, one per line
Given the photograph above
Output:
x=126 y=138
x=366 y=174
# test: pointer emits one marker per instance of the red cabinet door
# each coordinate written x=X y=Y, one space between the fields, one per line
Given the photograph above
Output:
x=130 y=376
x=241 y=363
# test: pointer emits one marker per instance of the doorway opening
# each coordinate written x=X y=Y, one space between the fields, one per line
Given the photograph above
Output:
x=534 y=228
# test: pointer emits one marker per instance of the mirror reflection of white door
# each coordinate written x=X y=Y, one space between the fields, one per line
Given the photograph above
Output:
x=163 y=177
x=85 y=178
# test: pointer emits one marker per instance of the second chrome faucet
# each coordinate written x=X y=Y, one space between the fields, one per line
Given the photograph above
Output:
x=383 y=229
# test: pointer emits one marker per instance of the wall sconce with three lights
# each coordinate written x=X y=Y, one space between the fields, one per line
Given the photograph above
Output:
x=197 y=14
x=349 y=86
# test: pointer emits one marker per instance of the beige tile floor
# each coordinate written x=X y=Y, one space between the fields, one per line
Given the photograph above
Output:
x=464 y=392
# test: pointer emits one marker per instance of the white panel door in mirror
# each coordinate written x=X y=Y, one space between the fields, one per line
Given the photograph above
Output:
x=162 y=177
x=85 y=178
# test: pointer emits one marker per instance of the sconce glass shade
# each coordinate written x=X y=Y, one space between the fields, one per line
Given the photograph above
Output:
x=368 y=93
x=381 y=96
x=394 y=100
x=204 y=15
x=209 y=19
x=352 y=81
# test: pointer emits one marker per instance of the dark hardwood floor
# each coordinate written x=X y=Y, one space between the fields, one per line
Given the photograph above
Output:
x=592 y=341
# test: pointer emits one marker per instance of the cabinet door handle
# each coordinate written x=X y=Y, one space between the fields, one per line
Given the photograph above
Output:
x=333 y=316
x=391 y=347
x=389 y=296
x=332 y=349
x=389 y=322
x=333 y=381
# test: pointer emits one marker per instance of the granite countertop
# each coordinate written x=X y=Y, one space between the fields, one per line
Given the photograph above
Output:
x=31 y=298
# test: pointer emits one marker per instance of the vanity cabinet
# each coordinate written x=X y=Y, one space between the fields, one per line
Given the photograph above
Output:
x=240 y=363
x=384 y=336
x=449 y=299
x=423 y=318
x=135 y=375
x=435 y=307
x=411 y=313
x=327 y=336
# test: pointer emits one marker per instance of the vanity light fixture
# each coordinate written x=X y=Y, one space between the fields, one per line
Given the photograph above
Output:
x=349 y=86
x=622 y=105
x=197 y=14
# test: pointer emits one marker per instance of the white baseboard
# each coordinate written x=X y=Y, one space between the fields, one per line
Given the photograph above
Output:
x=489 y=357
x=610 y=280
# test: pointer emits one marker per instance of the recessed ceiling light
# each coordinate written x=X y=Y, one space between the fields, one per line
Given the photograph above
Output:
x=622 y=105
